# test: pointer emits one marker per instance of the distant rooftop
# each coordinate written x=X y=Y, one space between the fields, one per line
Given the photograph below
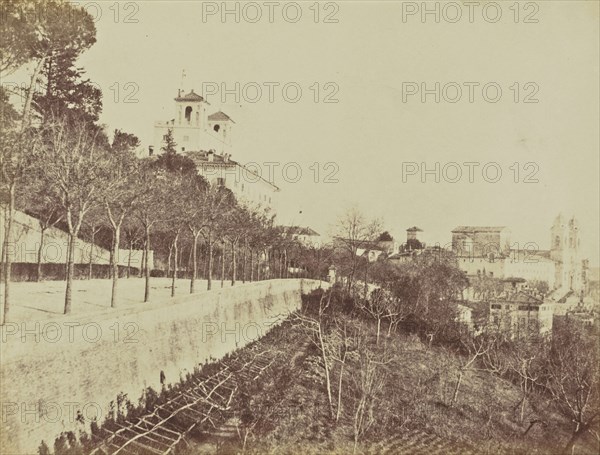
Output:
x=220 y=117
x=192 y=96
x=299 y=230
x=414 y=229
x=473 y=229
x=201 y=158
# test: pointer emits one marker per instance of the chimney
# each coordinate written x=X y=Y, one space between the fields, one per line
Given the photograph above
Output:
x=150 y=150
x=211 y=156
x=179 y=93
x=226 y=158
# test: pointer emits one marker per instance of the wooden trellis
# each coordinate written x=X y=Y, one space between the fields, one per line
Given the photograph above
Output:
x=193 y=407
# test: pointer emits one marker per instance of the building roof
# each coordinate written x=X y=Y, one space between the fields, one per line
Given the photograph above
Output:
x=414 y=229
x=473 y=229
x=222 y=160
x=192 y=96
x=201 y=159
x=520 y=297
x=220 y=117
x=299 y=230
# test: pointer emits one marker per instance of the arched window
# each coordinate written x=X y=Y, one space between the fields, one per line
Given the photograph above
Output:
x=188 y=113
x=557 y=241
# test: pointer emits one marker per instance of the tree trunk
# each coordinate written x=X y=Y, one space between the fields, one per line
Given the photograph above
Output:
x=115 y=266
x=147 y=265
x=251 y=266
x=91 y=258
x=38 y=272
x=129 y=259
x=280 y=264
x=257 y=267
x=169 y=257
x=70 y=265
x=327 y=375
x=67 y=259
x=522 y=413
x=210 y=264
x=30 y=92
x=223 y=265
x=194 y=262
x=112 y=256
x=456 y=389
x=175 y=256
x=233 y=264
x=570 y=447
x=141 y=270
x=378 y=331
x=389 y=333
x=244 y=265
x=340 y=383
x=6 y=253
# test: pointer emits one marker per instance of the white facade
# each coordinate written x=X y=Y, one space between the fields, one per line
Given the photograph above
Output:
x=207 y=140
x=192 y=127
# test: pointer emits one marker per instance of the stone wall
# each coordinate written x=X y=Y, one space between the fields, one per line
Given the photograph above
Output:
x=53 y=372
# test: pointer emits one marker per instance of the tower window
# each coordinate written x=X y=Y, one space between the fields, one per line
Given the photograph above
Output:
x=217 y=128
x=188 y=113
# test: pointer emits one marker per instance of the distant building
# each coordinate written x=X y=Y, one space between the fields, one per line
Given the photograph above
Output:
x=565 y=252
x=413 y=242
x=521 y=314
x=305 y=235
x=481 y=241
x=485 y=250
x=206 y=139
x=193 y=128
x=247 y=186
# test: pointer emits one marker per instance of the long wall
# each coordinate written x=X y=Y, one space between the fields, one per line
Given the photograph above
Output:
x=26 y=237
x=54 y=370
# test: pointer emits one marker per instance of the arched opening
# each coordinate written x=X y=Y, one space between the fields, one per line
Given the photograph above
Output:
x=217 y=128
x=188 y=113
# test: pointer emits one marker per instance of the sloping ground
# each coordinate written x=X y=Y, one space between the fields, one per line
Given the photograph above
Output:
x=413 y=414
x=286 y=408
x=419 y=443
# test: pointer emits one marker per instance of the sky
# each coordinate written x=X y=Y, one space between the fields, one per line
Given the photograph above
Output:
x=374 y=135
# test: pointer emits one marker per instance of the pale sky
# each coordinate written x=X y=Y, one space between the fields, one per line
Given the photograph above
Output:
x=370 y=54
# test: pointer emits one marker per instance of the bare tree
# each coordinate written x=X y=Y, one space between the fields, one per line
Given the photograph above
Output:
x=72 y=167
x=216 y=203
x=352 y=233
x=368 y=385
x=526 y=359
x=573 y=378
x=118 y=198
x=377 y=305
x=149 y=209
x=476 y=348
x=314 y=322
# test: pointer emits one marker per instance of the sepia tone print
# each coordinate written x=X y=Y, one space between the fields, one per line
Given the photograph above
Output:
x=313 y=227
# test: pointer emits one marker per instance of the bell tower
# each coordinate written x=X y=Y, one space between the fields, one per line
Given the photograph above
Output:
x=190 y=110
x=558 y=238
